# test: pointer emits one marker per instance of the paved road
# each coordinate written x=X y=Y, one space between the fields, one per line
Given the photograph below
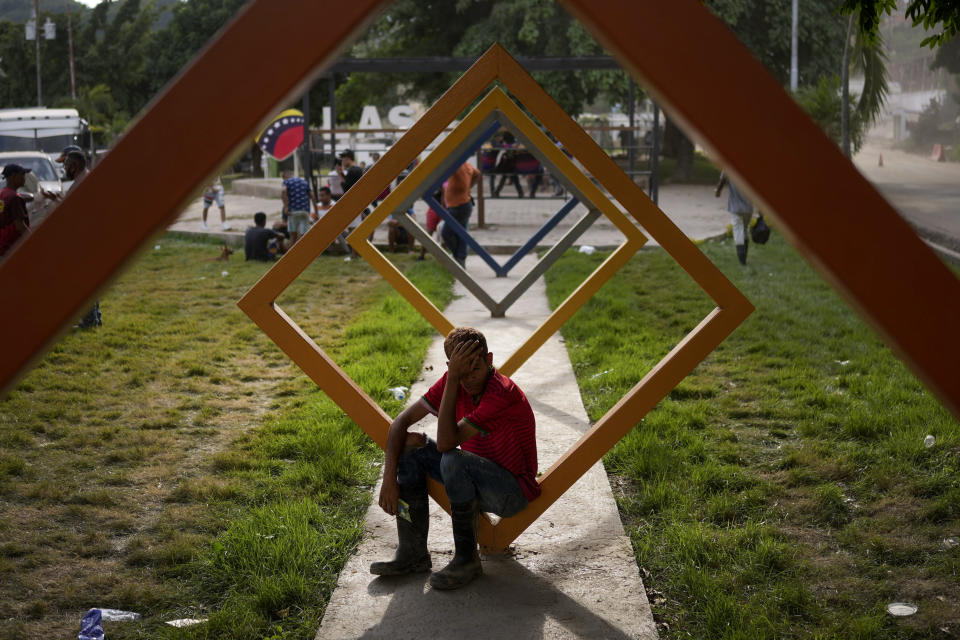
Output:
x=925 y=192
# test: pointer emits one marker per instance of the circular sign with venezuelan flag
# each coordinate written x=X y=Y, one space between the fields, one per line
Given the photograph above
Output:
x=283 y=135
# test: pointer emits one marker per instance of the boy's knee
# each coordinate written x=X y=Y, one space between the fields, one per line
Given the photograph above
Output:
x=451 y=464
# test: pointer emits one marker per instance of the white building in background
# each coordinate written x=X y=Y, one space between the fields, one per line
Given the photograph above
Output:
x=901 y=107
x=912 y=80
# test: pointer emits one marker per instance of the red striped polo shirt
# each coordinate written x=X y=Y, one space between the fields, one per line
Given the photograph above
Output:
x=506 y=425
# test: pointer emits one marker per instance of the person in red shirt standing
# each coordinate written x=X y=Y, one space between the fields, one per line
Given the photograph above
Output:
x=485 y=455
x=14 y=221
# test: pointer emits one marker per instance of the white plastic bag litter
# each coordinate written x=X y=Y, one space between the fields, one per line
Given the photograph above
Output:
x=901 y=609
x=185 y=622
x=587 y=249
x=115 y=615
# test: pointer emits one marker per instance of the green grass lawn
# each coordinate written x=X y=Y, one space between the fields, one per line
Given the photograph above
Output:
x=783 y=490
x=175 y=463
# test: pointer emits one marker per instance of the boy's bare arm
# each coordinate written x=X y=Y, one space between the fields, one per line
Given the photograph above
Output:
x=449 y=433
x=396 y=441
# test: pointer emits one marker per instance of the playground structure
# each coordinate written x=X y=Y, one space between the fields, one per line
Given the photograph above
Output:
x=489 y=116
x=495 y=109
x=916 y=309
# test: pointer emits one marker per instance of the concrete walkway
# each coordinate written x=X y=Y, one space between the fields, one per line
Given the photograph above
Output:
x=572 y=574
x=510 y=222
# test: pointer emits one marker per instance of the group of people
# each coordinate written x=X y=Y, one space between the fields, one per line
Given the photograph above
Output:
x=15 y=221
x=302 y=209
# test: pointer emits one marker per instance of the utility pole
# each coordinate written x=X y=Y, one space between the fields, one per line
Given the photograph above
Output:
x=36 y=21
x=73 y=81
x=793 y=47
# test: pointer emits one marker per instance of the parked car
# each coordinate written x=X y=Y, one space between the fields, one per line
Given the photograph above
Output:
x=43 y=175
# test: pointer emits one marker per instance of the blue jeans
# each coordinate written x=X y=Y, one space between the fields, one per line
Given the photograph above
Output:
x=456 y=244
x=465 y=476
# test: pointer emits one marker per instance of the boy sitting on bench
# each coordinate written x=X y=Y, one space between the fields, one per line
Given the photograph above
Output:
x=485 y=455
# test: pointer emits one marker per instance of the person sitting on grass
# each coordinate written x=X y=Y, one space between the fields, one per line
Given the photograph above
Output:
x=257 y=240
x=485 y=455
x=397 y=234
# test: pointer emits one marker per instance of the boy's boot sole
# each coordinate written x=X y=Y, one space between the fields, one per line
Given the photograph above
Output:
x=458 y=573
x=465 y=566
x=401 y=567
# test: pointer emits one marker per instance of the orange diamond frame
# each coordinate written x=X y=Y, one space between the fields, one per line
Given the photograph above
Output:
x=497 y=65
x=685 y=57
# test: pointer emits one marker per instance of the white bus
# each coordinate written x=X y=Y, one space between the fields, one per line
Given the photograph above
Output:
x=42 y=129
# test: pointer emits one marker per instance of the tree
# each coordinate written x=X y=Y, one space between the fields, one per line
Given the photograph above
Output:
x=764 y=26
x=864 y=54
x=931 y=14
x=97 y=106
x=468 y=28
x=113 y=50
x=191 y=26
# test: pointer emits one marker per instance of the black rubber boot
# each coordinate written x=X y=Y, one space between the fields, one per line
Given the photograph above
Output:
x=742 y=253
x=412 y=555
x=465 y=566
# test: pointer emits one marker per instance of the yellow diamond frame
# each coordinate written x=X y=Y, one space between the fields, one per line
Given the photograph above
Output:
x=770 y=155
x=497 y=65
x=497 y=100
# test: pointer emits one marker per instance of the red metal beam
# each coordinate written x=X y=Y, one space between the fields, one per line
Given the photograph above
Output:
x=260 y=61
x=722 y=96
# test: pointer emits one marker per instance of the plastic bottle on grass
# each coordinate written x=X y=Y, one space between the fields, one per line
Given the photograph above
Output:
x=91 y=626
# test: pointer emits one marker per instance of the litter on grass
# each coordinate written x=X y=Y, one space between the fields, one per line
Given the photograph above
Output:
x=949 y=543
x=602 y=373
x=929 y=441
x=587 y=249
x=185 y=622
x=399 y=392
x=901 y=609
x=91 y=627
x=224 y=273
x=116 y=615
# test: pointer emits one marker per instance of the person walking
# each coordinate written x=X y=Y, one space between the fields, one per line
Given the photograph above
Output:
x=456 y=197
x=214 y=193
x=741 y=209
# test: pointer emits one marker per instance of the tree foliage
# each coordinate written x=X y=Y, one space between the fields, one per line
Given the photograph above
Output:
x=121 y=58
x=468 y=28
x=764 y=26
x=930 y=14
x=823 y=103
